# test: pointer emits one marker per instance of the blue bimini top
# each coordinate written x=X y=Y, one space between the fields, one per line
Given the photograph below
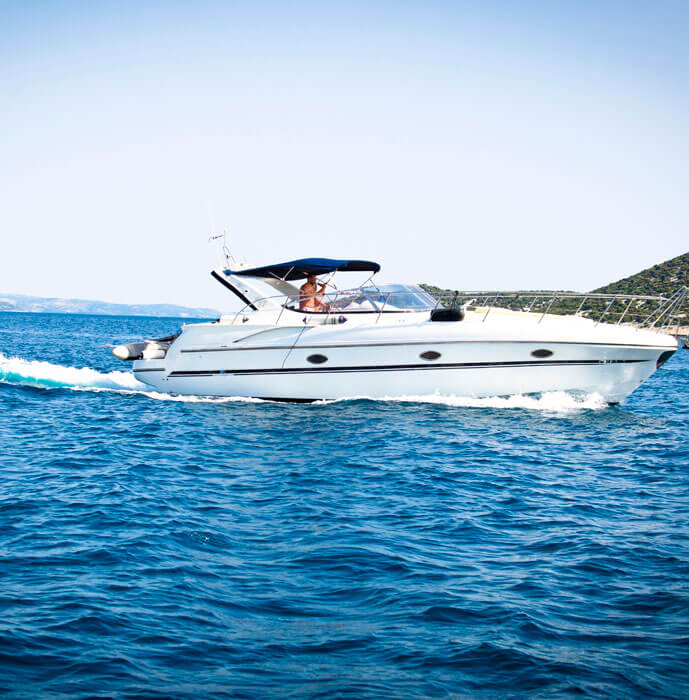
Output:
x=301 y=269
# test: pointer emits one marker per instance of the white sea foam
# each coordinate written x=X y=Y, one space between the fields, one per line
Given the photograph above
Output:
x=16 y=370
x=46 y=375
x=158 y=396
x=558 y=401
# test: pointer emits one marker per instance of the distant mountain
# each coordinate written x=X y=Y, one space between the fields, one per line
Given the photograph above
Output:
x=663 y=279
x=20 y=302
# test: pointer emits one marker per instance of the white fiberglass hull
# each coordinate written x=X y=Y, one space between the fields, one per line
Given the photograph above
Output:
x=407 y=359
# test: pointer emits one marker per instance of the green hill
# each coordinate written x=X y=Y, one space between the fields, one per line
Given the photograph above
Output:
x=663 y=279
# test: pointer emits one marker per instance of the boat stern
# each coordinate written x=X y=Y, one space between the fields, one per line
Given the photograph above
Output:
x=151 y=372
x=148 y=358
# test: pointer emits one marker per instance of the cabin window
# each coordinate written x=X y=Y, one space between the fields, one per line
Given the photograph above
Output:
x=317 y=359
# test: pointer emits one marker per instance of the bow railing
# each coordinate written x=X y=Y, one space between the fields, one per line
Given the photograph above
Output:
x=642 y=311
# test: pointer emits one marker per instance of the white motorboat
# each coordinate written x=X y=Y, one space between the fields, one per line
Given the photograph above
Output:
x=397 y=340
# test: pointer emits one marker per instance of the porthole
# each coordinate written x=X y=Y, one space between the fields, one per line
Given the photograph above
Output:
x=542 y=352
x=429 y=355
x=317 y=359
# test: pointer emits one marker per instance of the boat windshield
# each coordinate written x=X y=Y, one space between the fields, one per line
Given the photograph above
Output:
x=385 y=297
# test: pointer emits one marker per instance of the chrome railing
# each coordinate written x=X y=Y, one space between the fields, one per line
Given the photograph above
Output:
x=643 y=311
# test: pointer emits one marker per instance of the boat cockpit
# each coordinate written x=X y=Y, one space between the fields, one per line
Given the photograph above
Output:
x=251 y=284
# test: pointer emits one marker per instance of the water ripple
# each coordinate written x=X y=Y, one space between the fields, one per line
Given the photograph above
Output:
x=152 y=547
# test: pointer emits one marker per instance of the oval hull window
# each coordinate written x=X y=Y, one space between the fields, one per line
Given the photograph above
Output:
x=317 y=359
x=429 y=355
x=542 y=353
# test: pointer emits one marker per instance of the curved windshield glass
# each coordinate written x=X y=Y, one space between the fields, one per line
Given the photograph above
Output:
x=406 y=297
x=385 y=297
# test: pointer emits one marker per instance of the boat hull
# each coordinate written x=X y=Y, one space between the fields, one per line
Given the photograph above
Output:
x=467 y=368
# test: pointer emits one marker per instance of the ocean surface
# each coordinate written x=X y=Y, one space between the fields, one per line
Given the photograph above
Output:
x=154 y=546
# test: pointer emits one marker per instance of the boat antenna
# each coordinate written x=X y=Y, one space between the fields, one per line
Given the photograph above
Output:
x=225 y=249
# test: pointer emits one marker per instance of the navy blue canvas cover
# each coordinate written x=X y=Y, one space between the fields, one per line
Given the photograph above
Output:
x=301 y=269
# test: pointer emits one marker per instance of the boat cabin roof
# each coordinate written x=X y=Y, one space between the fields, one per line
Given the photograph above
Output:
x=302 y=268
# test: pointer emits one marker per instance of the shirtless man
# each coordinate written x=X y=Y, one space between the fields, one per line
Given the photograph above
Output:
x=310 y=299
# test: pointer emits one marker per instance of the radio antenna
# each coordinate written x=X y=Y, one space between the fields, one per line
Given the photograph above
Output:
x=225 y=249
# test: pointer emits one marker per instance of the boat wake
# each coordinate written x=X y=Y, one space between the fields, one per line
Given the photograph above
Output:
x=16 y=370
x=46 y=375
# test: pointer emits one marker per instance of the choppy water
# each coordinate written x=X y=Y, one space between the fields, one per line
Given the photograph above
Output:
x=153 y=546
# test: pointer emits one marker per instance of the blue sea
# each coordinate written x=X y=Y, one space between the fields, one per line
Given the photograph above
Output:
x=154 y=546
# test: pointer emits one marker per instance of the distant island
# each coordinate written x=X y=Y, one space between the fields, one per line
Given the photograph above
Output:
x=28 y=304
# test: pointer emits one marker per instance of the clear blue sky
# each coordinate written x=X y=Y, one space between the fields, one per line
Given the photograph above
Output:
x=471 y=144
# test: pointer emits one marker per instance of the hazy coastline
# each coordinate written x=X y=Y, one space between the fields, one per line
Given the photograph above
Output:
x=30 y=304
